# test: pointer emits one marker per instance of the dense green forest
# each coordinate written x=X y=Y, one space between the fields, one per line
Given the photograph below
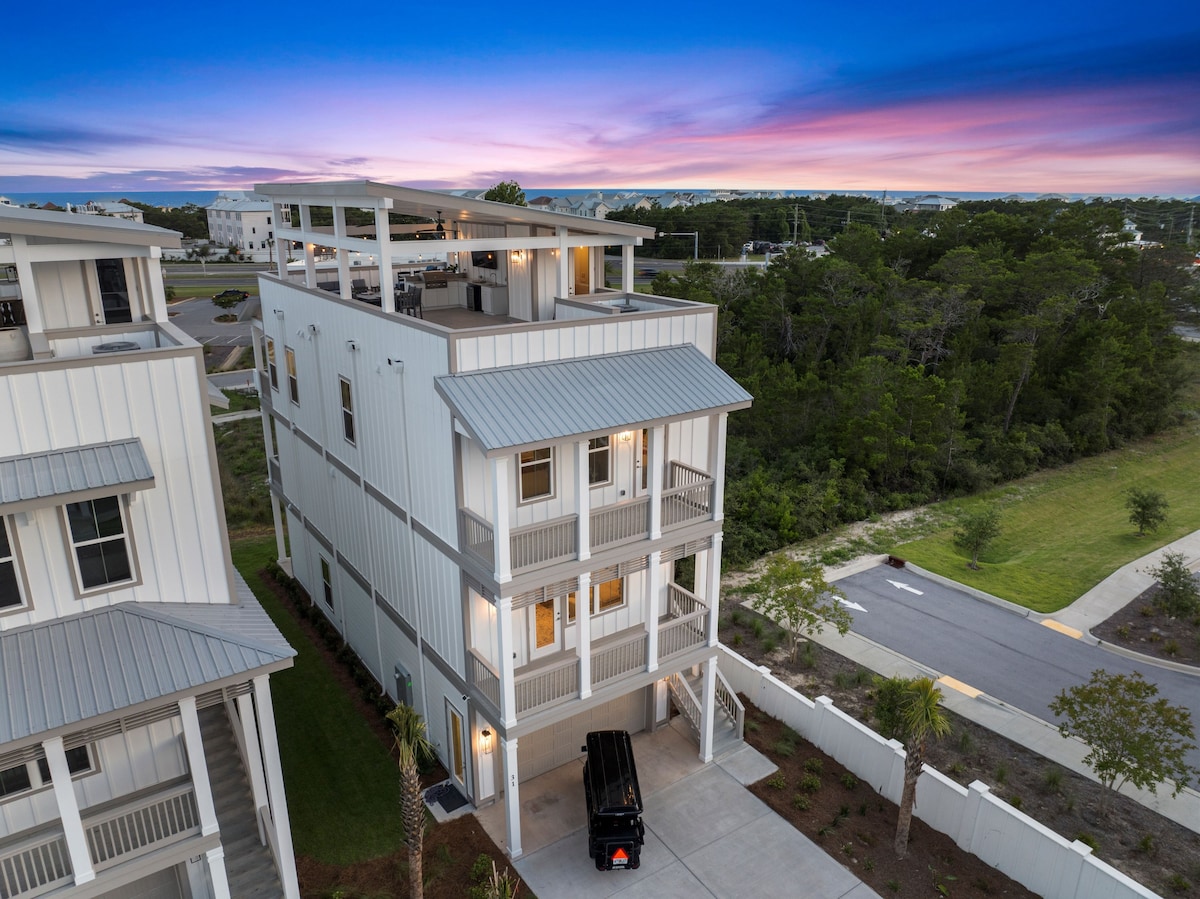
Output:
x=191 y=220
x=937 y=357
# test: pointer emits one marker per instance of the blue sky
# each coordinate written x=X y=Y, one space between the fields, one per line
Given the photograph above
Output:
x=1064 y=97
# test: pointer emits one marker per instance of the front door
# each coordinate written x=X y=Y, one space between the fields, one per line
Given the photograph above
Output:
x=641 y=462
x=114 y=292
x=546 y=629
x=456 y=746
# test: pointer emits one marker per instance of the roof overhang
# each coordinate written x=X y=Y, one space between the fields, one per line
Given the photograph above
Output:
x=80 y=227
x=56 y=477
x=511 y=409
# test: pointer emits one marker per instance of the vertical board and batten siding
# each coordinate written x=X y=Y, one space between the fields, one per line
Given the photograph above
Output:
x=520 y=278
x=439 y=591
x=592 y=337
x=124 y=763
x=63 y=289
x=396 y=649
x=180 y=557
x=388 y=540
x=358 y=611
x=484 y=632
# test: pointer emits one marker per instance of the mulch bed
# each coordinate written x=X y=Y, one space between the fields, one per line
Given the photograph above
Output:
x=1142 y=627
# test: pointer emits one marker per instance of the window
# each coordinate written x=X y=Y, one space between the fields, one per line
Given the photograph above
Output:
x=10 y=586
x=78 y=761
x=327 y=581
x=98 y=537
x=599 y=469
x=254 y=230
x=347 y=410
x=114 y=292
x=537 y=474
x=36 y=774
x=605 y=597
x=15 y=780
x=268 y=220
x=289 y=356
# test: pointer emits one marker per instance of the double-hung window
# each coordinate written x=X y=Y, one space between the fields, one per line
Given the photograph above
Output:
x=36 y=774
x=289 y=356
x=272 y=368
x=327 y=581
x=347 y=410
x=599 y=460
x=99 y=539
x=605 y=597
x=10 y=582
x=537 y=474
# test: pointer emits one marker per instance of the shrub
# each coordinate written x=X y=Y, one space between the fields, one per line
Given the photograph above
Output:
x=801 y=802
x=1052 y=781
x=1178 y=883
x=777 y=781
x=814 y=765
x=810 y=783
x=785 y=748
x=1088 y=840
x=849 y=781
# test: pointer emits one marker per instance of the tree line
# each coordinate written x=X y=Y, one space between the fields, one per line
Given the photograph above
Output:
x=937 y=358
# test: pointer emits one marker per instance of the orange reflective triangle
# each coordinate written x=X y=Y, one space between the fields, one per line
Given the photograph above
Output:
x=620 y=854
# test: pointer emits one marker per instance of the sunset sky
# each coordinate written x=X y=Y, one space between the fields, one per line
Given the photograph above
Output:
x=1064 y=97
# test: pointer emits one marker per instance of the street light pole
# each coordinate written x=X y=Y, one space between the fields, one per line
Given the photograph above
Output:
x=695 y=235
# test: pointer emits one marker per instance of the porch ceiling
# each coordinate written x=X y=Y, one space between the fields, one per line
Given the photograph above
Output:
x=506 y=409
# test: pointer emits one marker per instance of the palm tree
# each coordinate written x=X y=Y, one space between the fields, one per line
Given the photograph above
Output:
x=921 y=718
x=412 y=747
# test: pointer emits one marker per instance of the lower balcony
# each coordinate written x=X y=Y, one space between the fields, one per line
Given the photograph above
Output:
x=556 y=678
x=37 y=863
x=688 y=498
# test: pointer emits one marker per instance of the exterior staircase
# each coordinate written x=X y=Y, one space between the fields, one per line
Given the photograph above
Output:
x=687 y=688
x=248 y=863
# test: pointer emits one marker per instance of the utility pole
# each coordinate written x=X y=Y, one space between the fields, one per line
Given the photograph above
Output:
x=1191 y=219
x=796 y=224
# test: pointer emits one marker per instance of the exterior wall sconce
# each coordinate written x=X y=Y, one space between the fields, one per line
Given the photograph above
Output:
x=626 y=436
x=10 y=272
x=485 y=741
x=518 y=255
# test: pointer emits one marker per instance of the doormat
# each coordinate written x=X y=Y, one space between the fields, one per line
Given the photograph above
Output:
x=445 y=795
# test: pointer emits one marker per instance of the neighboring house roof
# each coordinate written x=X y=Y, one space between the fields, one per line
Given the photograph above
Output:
x=66 y=226
x=240 y=201
x=65 y=671
x=529 y=405
x=79 y=472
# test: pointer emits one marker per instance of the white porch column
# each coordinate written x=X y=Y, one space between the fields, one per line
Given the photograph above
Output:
x=565 y=285
x=254 y=763
x=583 y=500
x=152 y=267
x=217 y=873
x=501 y=541
x=29 y=292
x=627 y=269
x=281 y=245
x=708 y=702
x=653 y=589
x=194 y=745
x=716 y=463
x=712 y=593
x=655 y=481
x=512 y=797
x=505 y=647
x=277 y=520
x=68 y=809
x=383 y=235
x=286 y=863
x=310 y=260
x=343 y=256
x=583 y=642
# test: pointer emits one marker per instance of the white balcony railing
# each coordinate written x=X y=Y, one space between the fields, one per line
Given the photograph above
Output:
x=682 y=634
x=545 y=543
x=614 y=660
x=546 y=686
x=612 y=525
x=688 y=498
x=479 y=674
x=35 y=866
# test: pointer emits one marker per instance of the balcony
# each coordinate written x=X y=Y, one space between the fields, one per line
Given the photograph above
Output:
x=37 y=863
x=687 y=499
x=554 y=680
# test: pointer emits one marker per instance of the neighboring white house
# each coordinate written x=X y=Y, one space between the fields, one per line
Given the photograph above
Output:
x=244 y=220
x=138 y=753
x=114 y=208
x=489 y=496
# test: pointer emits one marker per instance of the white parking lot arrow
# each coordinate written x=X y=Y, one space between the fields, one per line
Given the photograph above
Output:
x=850 y=605
x=905 y=587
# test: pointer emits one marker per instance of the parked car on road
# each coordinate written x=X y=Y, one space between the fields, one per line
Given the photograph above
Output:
x=229 y=297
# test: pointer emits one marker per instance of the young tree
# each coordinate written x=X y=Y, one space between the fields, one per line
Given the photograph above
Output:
x=909 y=711
x=1133 y=737
x=506 y=192
x=794 y=593
x=975 y=532
x=1178 y=595
x=412 y=746
x=1147 y=509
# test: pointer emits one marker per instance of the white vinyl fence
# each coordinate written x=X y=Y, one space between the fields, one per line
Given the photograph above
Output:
x=977 y=821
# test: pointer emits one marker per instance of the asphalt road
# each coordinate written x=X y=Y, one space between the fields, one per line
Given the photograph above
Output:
x=195 y=318
x=1006 y=655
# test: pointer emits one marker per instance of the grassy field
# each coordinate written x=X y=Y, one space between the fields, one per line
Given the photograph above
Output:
x=200 y=288
x=1063 y=531
x=342 y=786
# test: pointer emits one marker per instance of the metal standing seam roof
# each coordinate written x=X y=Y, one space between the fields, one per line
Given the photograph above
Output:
x=63 y=672
x=54 y=473
x=523 y=405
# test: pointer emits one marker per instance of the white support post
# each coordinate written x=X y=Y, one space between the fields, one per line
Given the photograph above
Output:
x=709 y=702
x=152 y=267
x=627 y=268
x=655 y=482
x=29 y=292
x=583 y=643
x=653 y=590
x=512 y=797
x=281 y=247
x=383 y=235
x=565 y=286
x=217 y=873
x=254 y=764
x=68 y=810
x=310 y=259
x=343 y=255
x=277 y=519
x=505 y=646
x=583 y=500
x=194 y=745
x=716 y=463
x=713 y=592
x=286 y=862
x=501 y=540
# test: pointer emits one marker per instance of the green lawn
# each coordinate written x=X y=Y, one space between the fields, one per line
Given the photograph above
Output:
x=1063 y=531
x=342 y=786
